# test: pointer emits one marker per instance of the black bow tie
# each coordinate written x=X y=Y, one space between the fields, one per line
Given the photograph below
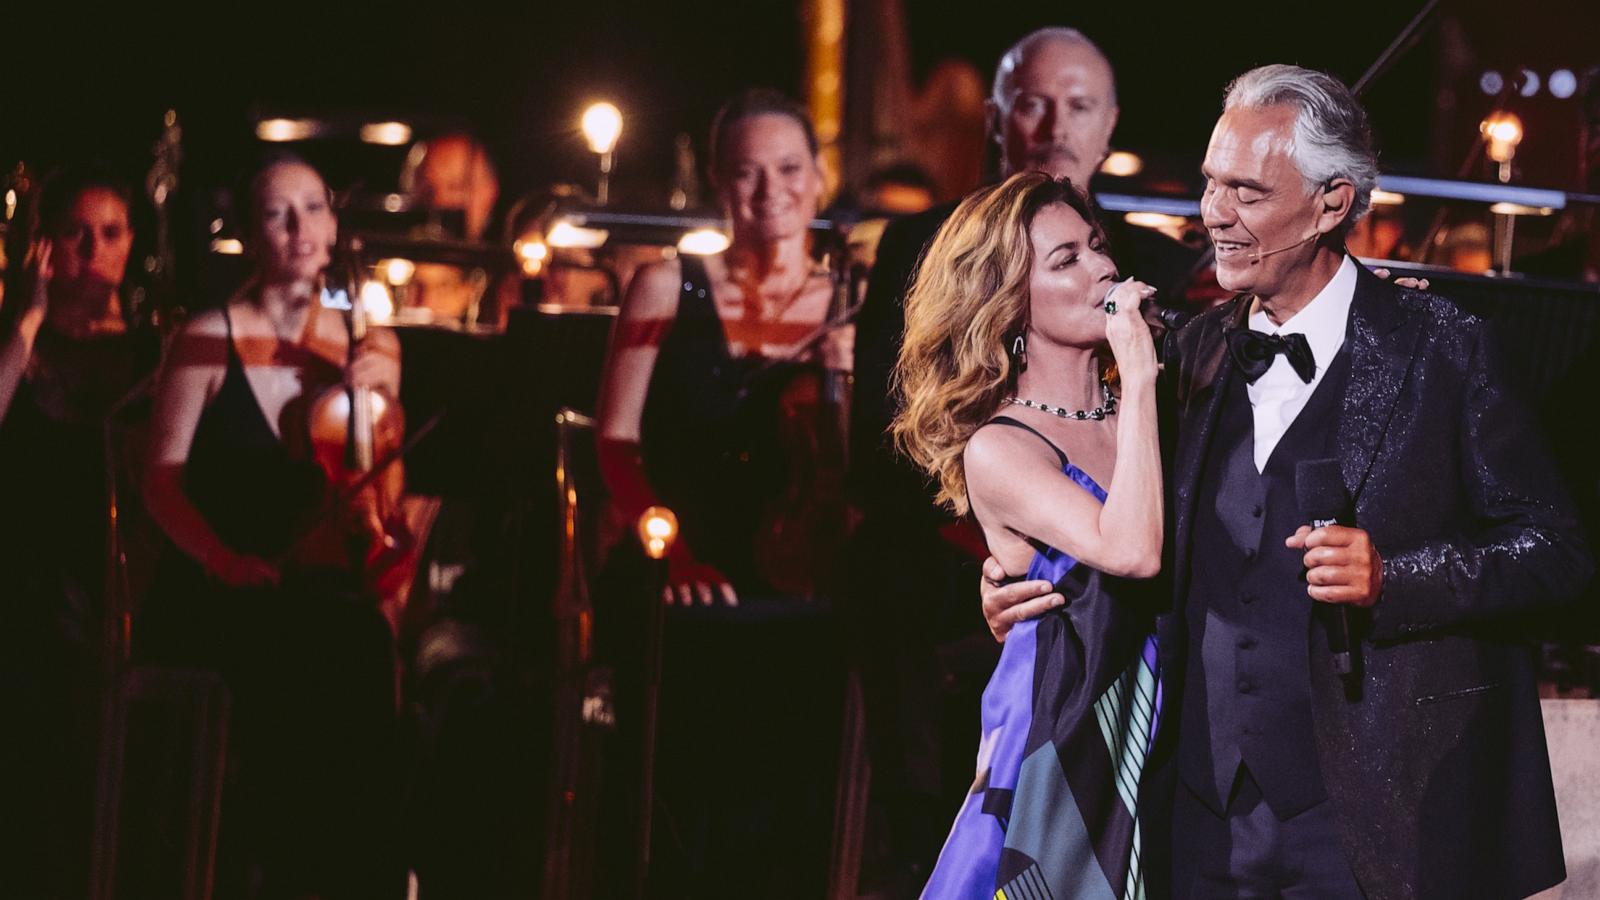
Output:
x=1253 y=351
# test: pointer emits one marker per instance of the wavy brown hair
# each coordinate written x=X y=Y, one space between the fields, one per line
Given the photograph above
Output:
x=967 y=304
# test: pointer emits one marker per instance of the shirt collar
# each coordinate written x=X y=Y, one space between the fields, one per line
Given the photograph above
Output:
x=1323 y=320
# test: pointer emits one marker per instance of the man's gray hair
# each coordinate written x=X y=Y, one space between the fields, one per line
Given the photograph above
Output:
x=1006 y=69
x=1331 y=136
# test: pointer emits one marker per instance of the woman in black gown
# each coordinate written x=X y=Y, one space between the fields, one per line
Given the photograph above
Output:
x=67 y=357
x=309 y=661
x=693 y=394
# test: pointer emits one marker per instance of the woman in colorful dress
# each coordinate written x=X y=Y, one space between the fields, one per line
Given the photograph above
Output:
x=1028 y=381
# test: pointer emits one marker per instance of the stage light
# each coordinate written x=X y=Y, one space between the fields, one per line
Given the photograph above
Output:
x=389 y=134
x=658 y=528
x=1563 y=84
x=1387 y=198
x=1122 y=164
x=1517 y=209
x=566 y=235
x=1158 y=221
x=227 y=246
x=532 y=254
x=282 y=130
x=377 y=302
x=1503 y=131
x=703 y=242
x=602 y=125
x=398 y=271
x=1530 y=83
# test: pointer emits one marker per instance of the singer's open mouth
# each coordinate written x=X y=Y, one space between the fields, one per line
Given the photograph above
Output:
x=1229 y=248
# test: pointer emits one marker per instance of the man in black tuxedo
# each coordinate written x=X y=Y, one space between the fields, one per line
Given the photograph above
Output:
x=1424 y=773
x=1053 y=109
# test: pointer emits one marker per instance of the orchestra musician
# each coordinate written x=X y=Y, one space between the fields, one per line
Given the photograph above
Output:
x=304 y=650
x=700 y=378
x=67 y=357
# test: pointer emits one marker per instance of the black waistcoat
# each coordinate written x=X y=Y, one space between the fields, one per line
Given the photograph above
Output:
x=1248 y=680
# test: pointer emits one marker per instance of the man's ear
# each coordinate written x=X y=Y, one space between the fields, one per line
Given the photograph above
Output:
x=991 y=118
x=1338 y=200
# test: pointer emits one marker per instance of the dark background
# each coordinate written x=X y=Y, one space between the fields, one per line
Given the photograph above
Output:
x=87 y=81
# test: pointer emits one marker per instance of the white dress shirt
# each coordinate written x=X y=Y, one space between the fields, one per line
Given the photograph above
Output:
x=1279 y=395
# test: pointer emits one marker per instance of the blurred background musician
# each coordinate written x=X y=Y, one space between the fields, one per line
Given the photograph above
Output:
x=305 y=652
x=705 y=376
x=67 y=355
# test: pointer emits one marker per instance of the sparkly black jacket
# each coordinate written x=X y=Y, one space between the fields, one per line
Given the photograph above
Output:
x=1435 y=758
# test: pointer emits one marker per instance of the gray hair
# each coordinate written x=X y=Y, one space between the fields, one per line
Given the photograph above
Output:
x=1006 y=68
x=1331 y=138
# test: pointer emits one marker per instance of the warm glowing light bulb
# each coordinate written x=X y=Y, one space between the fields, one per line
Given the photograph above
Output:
x=569 y=235
x=375 y=299
x=281 y=130
x=532 y=253
x=1503 y=131
x=703 y=242
x=1155 y=220
x=1122 y=164
x=398 y=271
x=388 y=134
x=602 y=125
x=658 y=528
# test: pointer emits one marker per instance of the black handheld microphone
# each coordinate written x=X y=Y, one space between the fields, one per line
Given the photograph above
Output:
x=1319 y=486
x=1154 y=313
x=1169 y=318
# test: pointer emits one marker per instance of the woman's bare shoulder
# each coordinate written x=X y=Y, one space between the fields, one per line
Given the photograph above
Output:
x=653 y=293
x=997 y=455
x=205 y=323
x=202 y=340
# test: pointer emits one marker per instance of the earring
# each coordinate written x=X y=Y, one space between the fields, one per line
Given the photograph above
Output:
x=1019 y=351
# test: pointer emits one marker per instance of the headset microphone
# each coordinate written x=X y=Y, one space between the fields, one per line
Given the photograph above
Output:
x=1259 y=256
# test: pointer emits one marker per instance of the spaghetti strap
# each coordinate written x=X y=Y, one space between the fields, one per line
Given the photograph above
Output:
x=1007 y=420
x=694 y=299
x=234 y=360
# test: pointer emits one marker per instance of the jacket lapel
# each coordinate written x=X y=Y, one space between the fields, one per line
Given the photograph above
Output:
x=1204 y=377
x=1382 y=338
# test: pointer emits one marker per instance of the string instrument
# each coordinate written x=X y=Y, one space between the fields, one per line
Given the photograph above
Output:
x=356 y=436
x=804 y=526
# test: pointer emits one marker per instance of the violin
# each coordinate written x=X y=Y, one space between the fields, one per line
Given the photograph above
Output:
x=356 y=436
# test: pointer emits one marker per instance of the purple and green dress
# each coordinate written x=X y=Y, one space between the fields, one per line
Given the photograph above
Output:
x=1068 y=718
